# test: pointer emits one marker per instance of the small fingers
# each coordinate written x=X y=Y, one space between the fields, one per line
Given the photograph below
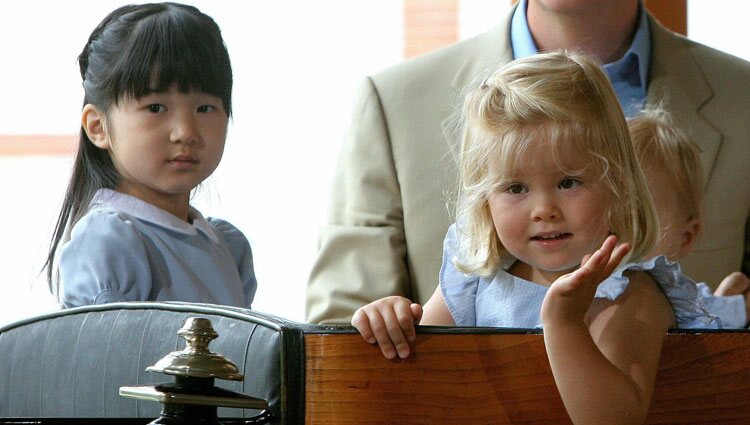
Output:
x=417 y=311
x=405 y=319
x=389 y=322
x=598 y=266
x=616 y=257
x=609 y=243
x=595 y=260
x=382 y=336
x=397 y=332
x=606 y=259
x=361 y=321
x=590 y=263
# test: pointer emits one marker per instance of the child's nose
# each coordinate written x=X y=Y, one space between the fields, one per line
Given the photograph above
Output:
x=185 y=130
x=545 y=209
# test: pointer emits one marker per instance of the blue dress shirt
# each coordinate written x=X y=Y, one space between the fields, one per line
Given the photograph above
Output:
x=629 y=74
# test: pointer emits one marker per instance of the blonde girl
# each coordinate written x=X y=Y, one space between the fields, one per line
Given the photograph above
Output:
x=549 y=184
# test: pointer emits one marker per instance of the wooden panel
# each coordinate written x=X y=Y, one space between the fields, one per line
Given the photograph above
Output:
x=703 y=378
x=505 y=378
x=671 y=13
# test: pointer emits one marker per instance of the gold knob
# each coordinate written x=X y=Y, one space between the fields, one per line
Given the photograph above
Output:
x=196 y=360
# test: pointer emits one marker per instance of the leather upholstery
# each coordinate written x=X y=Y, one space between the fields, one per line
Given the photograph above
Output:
x=71 y=363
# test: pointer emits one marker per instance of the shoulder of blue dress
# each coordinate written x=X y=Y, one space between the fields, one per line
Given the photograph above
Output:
x=613 y=286
x=660 y=262
x=681 y=291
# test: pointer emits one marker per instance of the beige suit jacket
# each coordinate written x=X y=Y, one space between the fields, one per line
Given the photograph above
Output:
x=391 y=200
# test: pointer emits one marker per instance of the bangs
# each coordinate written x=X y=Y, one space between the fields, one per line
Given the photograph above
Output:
x=174 y=48
x=522 y=144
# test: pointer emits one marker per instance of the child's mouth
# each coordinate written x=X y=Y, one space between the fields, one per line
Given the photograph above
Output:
x=551 y=236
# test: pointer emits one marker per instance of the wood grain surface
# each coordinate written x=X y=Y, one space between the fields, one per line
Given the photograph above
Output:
x=496 y=378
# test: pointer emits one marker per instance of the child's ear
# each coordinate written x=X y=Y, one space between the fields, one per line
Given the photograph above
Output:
x=689 y=235
x=92 y=120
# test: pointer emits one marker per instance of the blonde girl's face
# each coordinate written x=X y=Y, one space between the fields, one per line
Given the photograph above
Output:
x=547 y=218
x=166 y=143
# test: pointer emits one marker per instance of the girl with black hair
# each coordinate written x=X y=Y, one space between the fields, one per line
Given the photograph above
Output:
x=158 y=82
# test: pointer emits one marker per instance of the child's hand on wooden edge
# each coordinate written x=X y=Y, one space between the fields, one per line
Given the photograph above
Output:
x=389 y=322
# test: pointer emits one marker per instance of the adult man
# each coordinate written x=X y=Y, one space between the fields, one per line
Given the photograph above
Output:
x=396 y=172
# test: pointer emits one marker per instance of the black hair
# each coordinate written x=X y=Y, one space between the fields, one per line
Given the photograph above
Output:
x=134 y=51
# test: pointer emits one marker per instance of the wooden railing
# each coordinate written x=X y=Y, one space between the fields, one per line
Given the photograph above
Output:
x=473 y=376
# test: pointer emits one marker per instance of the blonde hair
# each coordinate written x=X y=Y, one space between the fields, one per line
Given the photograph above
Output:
x=565 y=99
x=661 y=145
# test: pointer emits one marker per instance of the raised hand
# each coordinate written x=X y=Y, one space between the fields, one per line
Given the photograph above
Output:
x=570 y=296
x=389 y=322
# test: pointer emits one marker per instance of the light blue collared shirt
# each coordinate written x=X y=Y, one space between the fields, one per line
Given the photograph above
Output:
x=125 y=249
x=629 y=74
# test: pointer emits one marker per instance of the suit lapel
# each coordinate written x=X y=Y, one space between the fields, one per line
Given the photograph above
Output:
x=677 y=82
x=487 y=51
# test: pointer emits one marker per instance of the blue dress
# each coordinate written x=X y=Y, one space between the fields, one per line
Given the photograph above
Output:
x=504 y=300
x=125 y=249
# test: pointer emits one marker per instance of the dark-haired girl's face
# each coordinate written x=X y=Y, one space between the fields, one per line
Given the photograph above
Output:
x=166 y=143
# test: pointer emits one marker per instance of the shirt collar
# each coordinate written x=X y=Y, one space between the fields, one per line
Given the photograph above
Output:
x=520 y=36
x=111 y=199
x=523 y=43
x=640 y=49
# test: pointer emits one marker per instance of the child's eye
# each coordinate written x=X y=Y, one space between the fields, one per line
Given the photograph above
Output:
x=155 y=108
x=516 y=189
x=569 y=183
x=206 y=108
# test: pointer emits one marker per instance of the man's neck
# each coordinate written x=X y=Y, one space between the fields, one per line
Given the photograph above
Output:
x=603 y=28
